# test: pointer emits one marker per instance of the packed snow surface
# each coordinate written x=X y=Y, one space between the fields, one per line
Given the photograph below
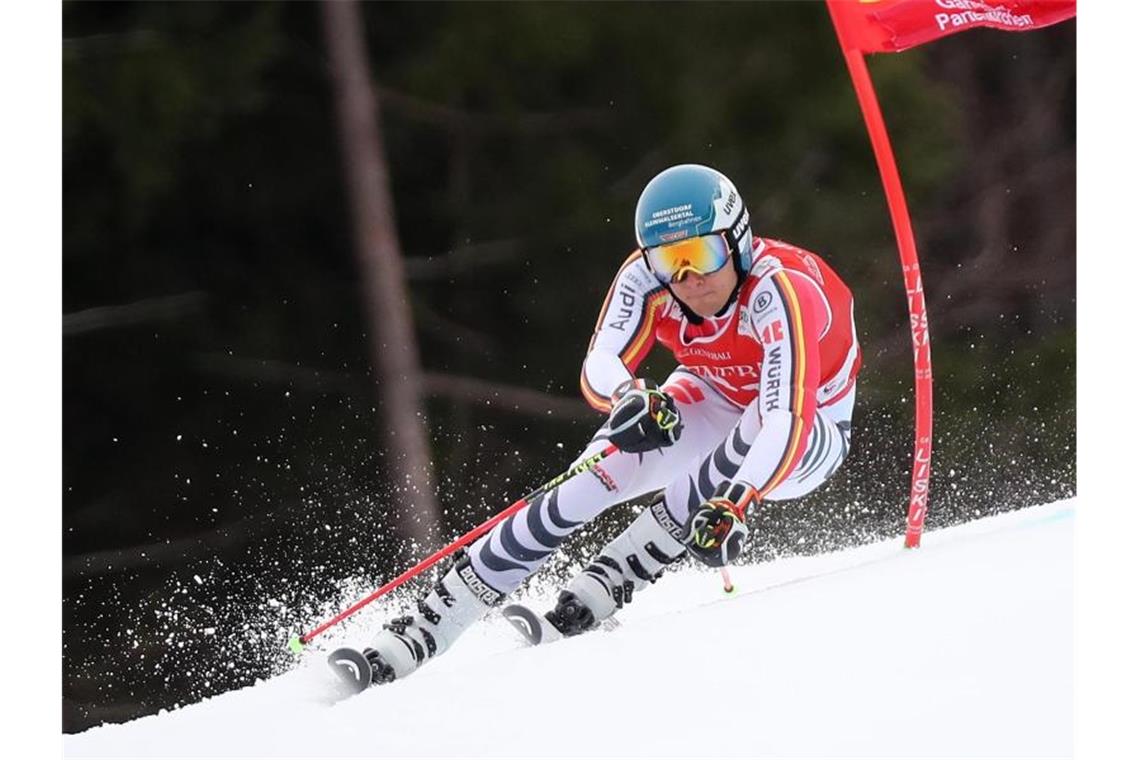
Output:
x=963 y=648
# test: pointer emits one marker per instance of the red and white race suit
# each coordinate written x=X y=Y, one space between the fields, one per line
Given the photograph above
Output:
x=788 y=340
x=765 y=392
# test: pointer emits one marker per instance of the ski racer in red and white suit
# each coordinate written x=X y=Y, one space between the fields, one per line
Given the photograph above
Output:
x=787 y=343
x=758 y=408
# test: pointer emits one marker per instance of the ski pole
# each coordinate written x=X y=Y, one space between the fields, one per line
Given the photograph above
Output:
x=297 y=643
x=728 y=587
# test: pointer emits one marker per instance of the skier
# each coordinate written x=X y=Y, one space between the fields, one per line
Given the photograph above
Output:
x=759 y=408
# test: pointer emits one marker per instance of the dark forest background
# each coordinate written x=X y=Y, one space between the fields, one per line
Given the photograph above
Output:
x=226 y=472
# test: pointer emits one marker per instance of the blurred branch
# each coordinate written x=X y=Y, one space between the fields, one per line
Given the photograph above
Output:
x=283 y=373
x=124 y=315
x=161 y=552
x=635 y=177
x=462 y=260
x=455 y=334
x=509 y=397
x=95 y=43
x=451 y=117
x=469 y=390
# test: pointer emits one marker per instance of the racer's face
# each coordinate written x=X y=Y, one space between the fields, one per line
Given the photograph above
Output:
x=706 y=294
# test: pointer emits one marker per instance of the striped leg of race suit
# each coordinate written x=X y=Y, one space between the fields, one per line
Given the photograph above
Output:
x=827 y=448
x=501 y=560
x=637 y=556
x=716 y=437
x=517 y=547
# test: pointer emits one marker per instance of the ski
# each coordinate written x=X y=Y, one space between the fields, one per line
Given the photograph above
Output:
x=352 y=669
x=533 y=627
x=536 y=629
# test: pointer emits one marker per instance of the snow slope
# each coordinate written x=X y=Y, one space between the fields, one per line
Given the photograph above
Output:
x=963 y=648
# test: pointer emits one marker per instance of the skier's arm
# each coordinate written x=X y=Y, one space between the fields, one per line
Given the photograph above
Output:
x=787 y=314
x=623 y=334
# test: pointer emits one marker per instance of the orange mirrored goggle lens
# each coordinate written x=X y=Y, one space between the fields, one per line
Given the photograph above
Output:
x=702 y=255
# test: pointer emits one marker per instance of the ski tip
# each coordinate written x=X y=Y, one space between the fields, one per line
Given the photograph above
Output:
x=352 y=668
x=524 y=621
x=295 y=645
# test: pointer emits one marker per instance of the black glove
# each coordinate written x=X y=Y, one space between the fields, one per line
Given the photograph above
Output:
x=716 y=529
x=643 y=417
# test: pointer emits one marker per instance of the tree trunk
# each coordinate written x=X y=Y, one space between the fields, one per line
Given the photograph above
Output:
x=413 y=510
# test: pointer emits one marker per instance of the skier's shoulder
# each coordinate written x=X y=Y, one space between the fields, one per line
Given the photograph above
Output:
x=776 y=267
x=777 y=254
x=634 y=293
x=771 y=256
x=635 y=278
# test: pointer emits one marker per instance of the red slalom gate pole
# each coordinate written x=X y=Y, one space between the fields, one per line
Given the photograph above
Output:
x=297 y=643
x=912 y=276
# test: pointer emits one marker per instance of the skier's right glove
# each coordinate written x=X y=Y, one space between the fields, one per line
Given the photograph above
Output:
x=643 y=417
x=716 y=529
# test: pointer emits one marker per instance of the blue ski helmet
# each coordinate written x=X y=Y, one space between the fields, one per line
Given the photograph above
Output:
x=689 y=200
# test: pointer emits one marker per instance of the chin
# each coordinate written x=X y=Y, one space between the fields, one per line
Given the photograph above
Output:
x=705 y=310
x=707 y=305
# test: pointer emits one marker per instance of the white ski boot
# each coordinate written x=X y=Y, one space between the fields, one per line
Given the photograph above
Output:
x=629 y=563
x=455 y=602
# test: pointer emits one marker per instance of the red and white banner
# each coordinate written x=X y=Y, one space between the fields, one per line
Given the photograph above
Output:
x=889 y=26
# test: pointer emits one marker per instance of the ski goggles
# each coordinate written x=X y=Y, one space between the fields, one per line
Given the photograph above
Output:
x=704 y=254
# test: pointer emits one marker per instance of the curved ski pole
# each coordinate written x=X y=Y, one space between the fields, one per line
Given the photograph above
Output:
x=297 y=643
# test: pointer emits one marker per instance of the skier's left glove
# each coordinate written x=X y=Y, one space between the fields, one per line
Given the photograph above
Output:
x=716 y=529
x=643 y=417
